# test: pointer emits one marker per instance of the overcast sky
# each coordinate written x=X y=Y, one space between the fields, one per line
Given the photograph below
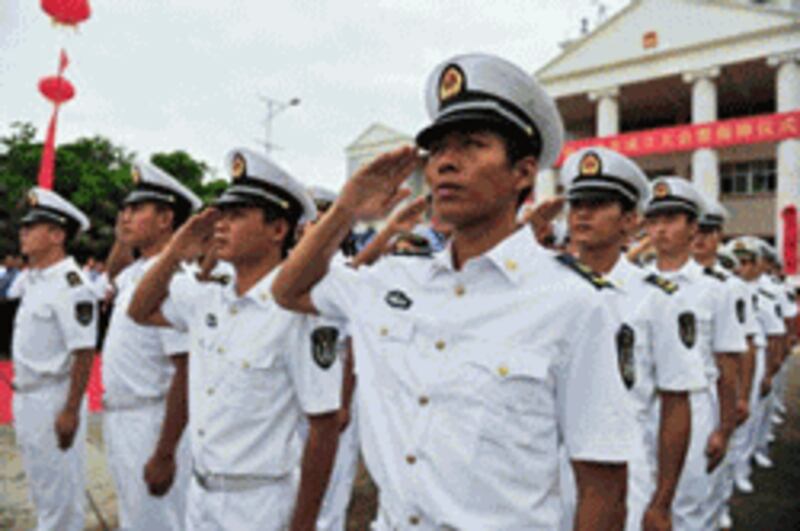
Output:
x=160 y=75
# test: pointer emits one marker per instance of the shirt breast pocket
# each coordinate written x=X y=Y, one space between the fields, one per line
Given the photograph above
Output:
x=393 y=344
x=250 y=383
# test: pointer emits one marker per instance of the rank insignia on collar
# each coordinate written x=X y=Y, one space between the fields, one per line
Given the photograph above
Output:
x=626 y=338
x=666 y=286
x=451 y=84
x=687 y=328
x=584 y=271
x=84 y=312
x=590 y=165
x=715 y=274
x=324 y=341
x=74 y=279
x=740 y=310
x=211 y=320
x=398 y=299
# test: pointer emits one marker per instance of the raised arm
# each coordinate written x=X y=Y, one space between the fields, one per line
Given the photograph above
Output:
x=372 y=192
x=404 y=220
x=186 y=244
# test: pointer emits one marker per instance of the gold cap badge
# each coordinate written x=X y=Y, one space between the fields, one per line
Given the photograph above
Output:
x=661 y=190
x=238 y=166
x=590 y=165
x=451 y=84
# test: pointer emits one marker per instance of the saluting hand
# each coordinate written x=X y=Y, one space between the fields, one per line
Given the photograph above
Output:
x=405 y=219
x=159 y=474
x=66 y=426
x=542 y=215
x=193 y=238
x=375 y=190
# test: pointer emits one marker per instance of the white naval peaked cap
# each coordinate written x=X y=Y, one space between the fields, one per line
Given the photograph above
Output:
x=47 y=206
x=714 y=214
x=154 y=184
x=767 y=250
x=321 y=195
x=744 y=246
x=483 y=89
x=596 y=172
x=674 y=193
x=727 y=258
x=257 y=181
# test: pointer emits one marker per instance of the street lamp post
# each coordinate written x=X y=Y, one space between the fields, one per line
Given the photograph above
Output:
x=274 y=108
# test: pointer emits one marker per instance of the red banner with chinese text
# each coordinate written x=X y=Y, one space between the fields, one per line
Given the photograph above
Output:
x=789 y=216
x=749 y=130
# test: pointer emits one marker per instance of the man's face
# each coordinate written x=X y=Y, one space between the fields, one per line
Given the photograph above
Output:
x=37 y=238
x=705 y=243
x=748 y=267
x=598 y=223
x=470 y=177
x=242 y=235
x=671 y=232
x=143 y=223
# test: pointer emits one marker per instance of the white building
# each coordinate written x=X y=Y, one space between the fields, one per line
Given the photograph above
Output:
x=706 y=89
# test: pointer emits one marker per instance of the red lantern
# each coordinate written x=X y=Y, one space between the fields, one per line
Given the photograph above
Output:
x=56 y=89
x=67 y=12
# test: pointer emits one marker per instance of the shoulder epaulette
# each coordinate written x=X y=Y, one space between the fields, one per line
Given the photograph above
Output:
x=715 y=274
x=667 y=286
x=766 y=293
x=584 y=271
x=419 y=254
x=74 y=279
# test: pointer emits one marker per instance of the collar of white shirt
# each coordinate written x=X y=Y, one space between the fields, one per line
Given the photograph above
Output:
x=259 y=293
x=509 y=256
x=690 y=269
x=35 y=274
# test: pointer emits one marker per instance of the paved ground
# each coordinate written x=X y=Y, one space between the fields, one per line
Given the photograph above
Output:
x=775 y=506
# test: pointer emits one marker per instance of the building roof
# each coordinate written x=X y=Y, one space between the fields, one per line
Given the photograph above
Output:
x=687 y=35
x=377 y=135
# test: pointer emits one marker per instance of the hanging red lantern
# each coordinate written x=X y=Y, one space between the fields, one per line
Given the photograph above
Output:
x=56 y=89
x=67 y=12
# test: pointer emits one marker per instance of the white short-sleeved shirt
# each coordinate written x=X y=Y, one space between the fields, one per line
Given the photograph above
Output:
x=469 y=380
x=745 y=311
x=136 y=358
x=650 y=333
x=254 y=370
x=769 y=307
x=788 y=308
x=712 y=318
x=57 y=315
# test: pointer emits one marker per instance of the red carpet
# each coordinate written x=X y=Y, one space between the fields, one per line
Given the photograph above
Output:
x=95 y=389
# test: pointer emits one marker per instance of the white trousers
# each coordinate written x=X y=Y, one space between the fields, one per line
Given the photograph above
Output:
x=56 y=479
x=691 y=504
x=333 y=513
x=267 y=508
x=130 y=439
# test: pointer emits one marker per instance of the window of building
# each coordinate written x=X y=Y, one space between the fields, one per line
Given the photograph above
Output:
x=752 y=177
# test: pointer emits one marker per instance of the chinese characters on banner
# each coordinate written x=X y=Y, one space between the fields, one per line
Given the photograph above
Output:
x=749 y=130
x=789 y=218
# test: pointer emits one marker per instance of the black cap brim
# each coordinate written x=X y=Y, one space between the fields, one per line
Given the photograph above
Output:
x=39 y=216
x=465 y=119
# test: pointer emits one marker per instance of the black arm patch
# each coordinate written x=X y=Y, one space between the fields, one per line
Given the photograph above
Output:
x=715 y=274
x=73 y=279
x=584 y=271
x=662 y=283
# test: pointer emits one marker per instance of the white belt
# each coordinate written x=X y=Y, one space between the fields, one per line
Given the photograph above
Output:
x=43 y=381
x=234 y=482
x=131 y=402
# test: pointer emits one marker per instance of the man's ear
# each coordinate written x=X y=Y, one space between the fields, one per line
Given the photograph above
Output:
x=166 y=217
x=630 y=222
x=525 y=170
x=57 y=235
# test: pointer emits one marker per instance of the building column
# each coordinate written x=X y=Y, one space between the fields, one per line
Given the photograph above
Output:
x=705 y=161
x=787 y=98
x=607 y=112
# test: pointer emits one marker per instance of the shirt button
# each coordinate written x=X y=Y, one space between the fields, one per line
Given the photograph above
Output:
x=201 y=432
x=410 y=459
x=502 y=370
x=245 y=364
x=383 y=331
x=413 y=520
x=439 y=345
x=460 y=290
x=511 y=265
x=234 y=311
x=423 y=400
x=210 y=391
x=221 y=350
